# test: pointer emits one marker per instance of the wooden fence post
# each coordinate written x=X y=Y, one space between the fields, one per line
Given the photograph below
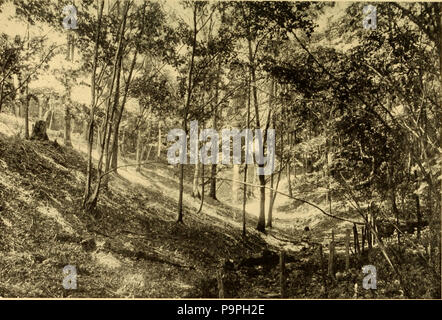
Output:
x=374 y=227
x=323 y=273
x=331 y=257
x=356 y=239
x=364 y=237
x=347 y=249
x=368 y=230
x=282 y=274
x=219 y=276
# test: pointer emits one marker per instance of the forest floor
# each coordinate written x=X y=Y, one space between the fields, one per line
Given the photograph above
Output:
x=132 y=245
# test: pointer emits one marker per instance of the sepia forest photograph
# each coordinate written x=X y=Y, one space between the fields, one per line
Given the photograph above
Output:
x=222 y=149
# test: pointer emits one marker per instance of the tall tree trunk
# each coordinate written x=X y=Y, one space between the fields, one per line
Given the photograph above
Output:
x=85 y=134
x=67 y=126
x=327 y=170
x=40 y=111
x=115 y=144
x=289 y=182
x=270 y=210
x=251 y=192
x=394 y=208
x=159 y=140
x=418 y=208
x=51 y=122
x=289 y=171
x=262 y=182
x=138 y=150
x=91 y=203
x=17 y=108
x=122 y=145
x=1 y=96
x=273 y=197
x=115 y=116
x=115 y=148
x=92 y=110
x=186 y=111
x=235 y=185
x=148 y=153
x=212 y=192
x=195 y=188
x=244 y=200
x=99 y=136
x=26 y=106
x=202 y=174
x=27 y=112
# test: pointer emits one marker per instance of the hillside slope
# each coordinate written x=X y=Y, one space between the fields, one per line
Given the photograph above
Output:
x=133 y=247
